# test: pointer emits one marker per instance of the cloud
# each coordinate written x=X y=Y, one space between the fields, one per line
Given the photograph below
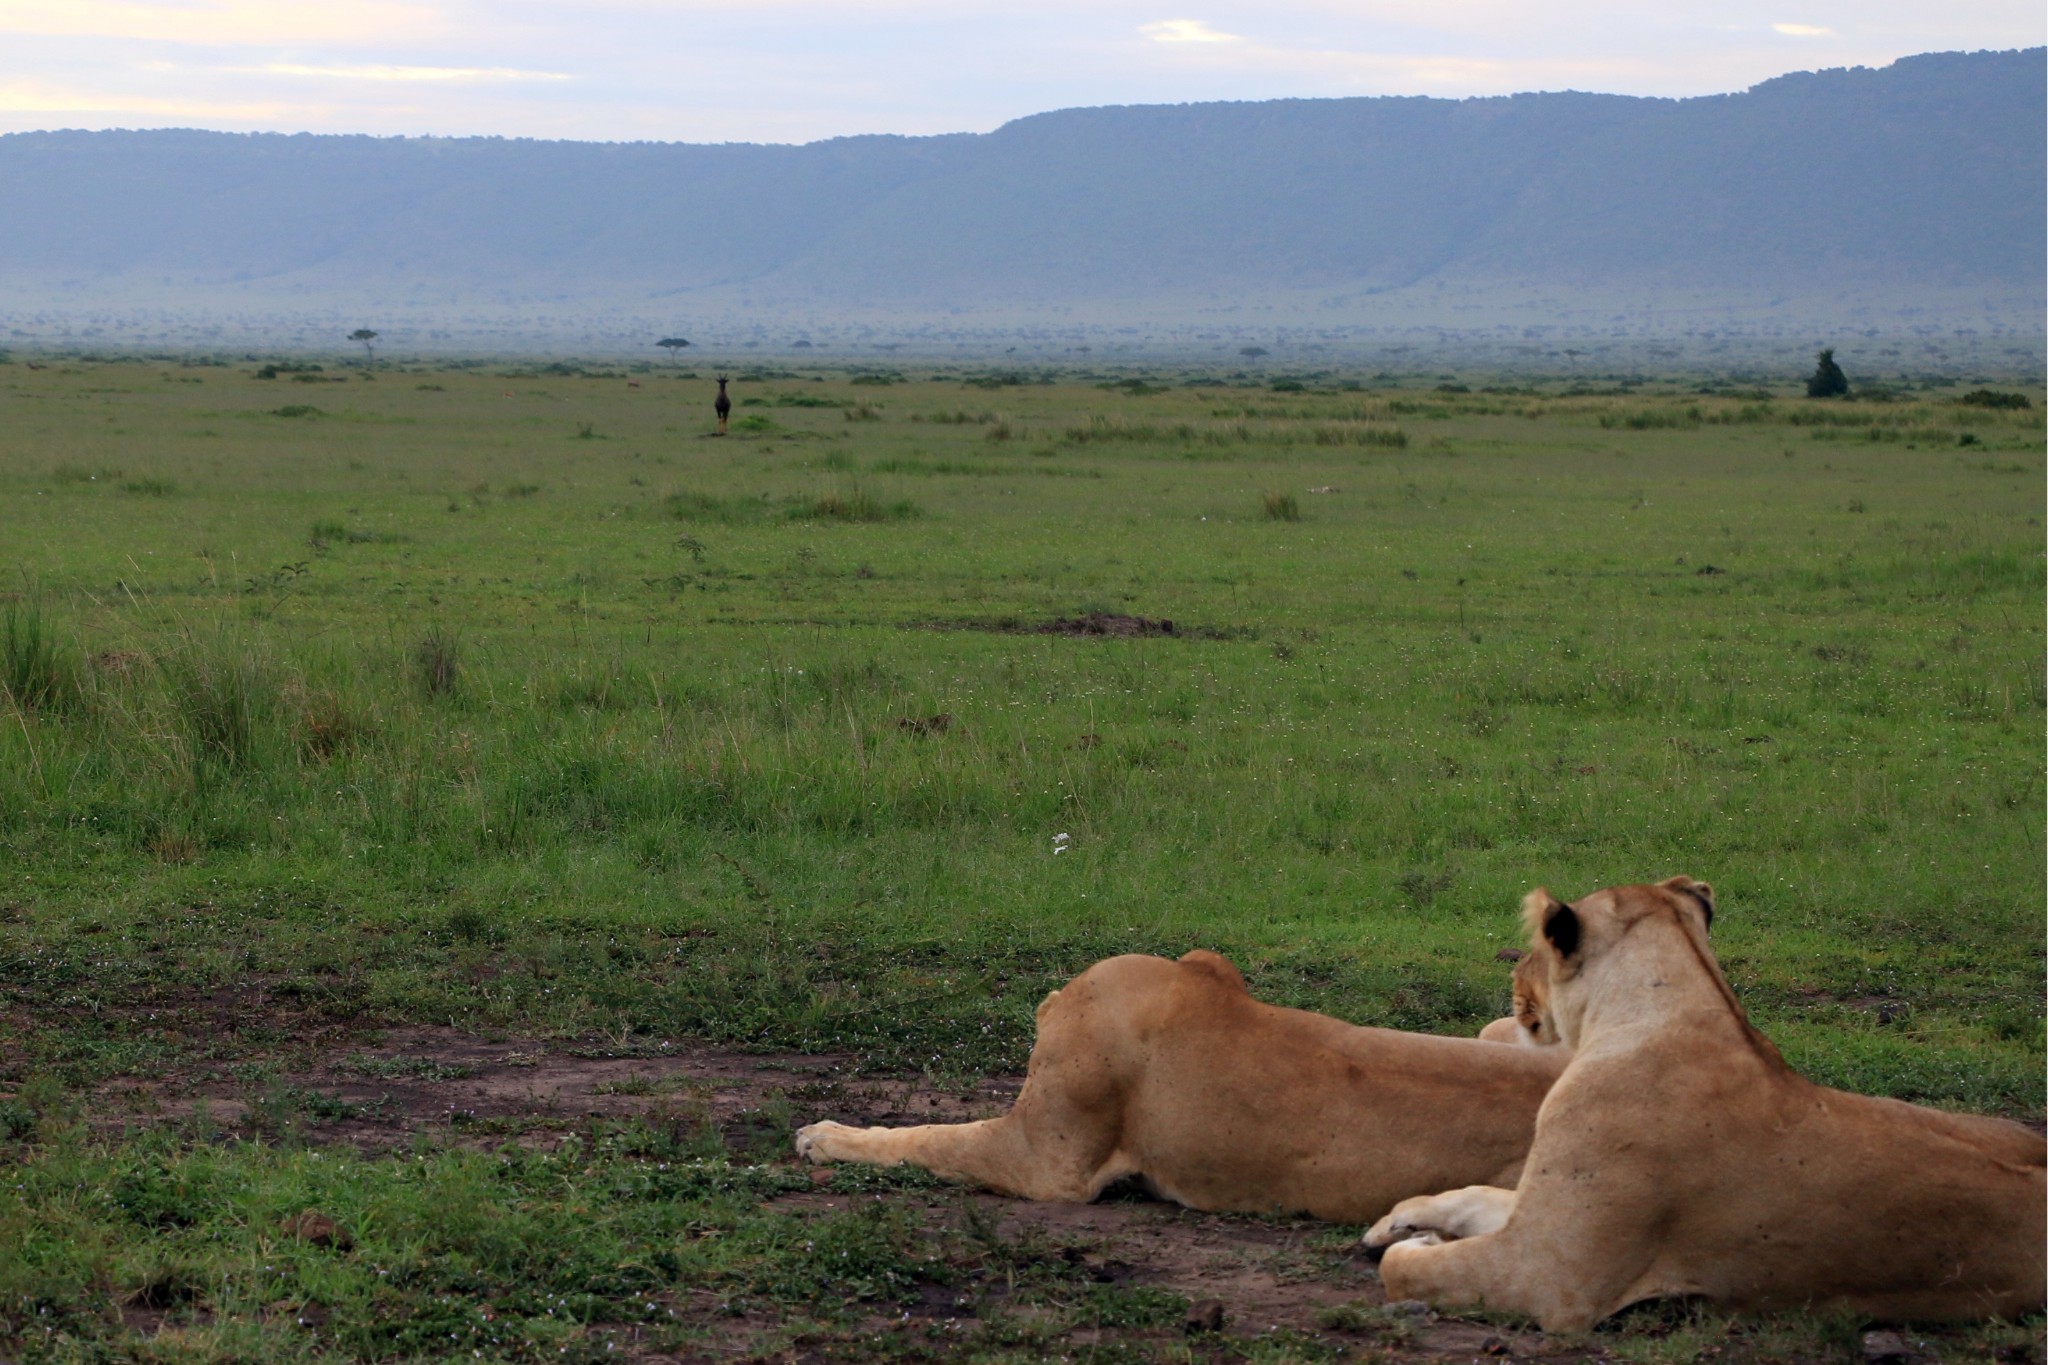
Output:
x=403 y=73
x=1435 y=73
x=796 y=70
x=258 y=23
x=1185 y=31
x=40 y=98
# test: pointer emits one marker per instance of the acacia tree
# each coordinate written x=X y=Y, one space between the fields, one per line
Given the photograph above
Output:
x=1828 y=381
x=674 y=345
x=365 y=336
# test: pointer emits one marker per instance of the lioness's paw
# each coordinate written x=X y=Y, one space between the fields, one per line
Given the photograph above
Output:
x=1394 y=1224
x=1387 y=1234
x=814 y=1141
x=1410 y=1220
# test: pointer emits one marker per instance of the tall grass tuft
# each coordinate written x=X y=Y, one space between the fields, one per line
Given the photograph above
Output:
x=437 y=662
x=690 y=505
x=1654 y=418
x=224 y=696
x=1361 y=434
x=1282 y=507
x=857 y=505
x=329 y=727
x=37 y=673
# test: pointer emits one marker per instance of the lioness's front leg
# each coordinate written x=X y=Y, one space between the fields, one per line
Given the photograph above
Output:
x=1430 y=1219
x=1503 y=1273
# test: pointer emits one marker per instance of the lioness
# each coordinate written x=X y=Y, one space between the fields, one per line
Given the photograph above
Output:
x=1679 y=1155
x=1171 y=1072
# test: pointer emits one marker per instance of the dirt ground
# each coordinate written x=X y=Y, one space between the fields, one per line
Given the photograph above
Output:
x=378 y=1092
x=1245 y=1277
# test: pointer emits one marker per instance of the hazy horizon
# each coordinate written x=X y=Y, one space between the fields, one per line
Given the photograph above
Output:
x=799 y=71
x=1533 y=226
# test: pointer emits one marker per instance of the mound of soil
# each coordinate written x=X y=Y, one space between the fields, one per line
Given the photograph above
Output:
x=1105 y=623
x=1093 y=624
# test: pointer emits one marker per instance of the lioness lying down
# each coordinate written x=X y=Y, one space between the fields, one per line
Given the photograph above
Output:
x=1171 y=1072
x=1679 y=1155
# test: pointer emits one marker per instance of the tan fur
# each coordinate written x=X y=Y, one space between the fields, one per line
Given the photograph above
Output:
x=1173 y=1073
x=1679 y=1155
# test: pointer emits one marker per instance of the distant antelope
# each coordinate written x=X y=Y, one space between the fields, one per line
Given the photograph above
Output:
x=723 y=407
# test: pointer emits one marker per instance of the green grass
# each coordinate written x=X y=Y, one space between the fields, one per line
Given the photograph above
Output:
x=618 y=719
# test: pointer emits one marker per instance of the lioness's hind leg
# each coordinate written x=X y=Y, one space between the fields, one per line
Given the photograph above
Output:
x=1436 y=1218
x=997 y=1153
x=1060 y=1139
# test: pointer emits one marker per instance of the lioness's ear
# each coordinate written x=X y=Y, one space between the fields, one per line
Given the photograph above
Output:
x=1561 y=927
x=1545 y=914
x=1699 y=891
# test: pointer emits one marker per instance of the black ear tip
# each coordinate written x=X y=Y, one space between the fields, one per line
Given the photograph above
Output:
x=1562 y=929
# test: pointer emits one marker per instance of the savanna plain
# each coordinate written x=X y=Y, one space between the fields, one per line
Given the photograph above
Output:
x=455 y=822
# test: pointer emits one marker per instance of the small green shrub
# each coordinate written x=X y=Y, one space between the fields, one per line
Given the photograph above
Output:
x=1992 y=398
x=692 y=506
x=858 y=505
x=1657 y=418
x=328 y=532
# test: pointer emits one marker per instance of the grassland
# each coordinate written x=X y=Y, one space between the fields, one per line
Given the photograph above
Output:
x=513 y=701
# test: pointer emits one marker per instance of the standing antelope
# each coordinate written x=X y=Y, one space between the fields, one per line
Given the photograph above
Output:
x=723 y=407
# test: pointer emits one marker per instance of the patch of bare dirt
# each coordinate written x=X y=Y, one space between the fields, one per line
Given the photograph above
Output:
x=395 y=1084
x=1093 y=624
x=1105 y=623
x=378 y=1092
x=1265 y=1275
x=1261 y=1270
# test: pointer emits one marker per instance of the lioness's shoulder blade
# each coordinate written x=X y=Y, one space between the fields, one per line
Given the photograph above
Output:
x=1215 y=965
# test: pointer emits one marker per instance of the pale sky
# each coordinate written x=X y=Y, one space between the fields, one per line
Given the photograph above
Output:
x=799 y=70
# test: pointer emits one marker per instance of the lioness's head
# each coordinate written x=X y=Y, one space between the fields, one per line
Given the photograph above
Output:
x=1565 y=938
x=1532 y=1001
